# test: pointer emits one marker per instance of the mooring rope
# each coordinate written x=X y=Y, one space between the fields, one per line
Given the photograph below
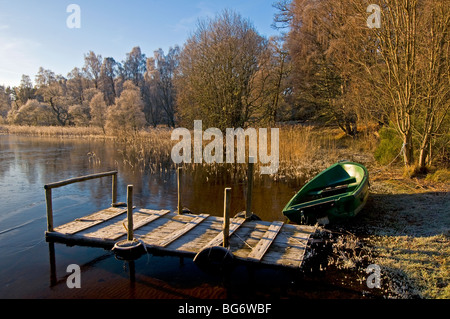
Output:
x=243 y=241
x=138 y=239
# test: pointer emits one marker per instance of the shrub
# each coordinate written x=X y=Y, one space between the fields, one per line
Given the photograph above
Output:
x=389 y=146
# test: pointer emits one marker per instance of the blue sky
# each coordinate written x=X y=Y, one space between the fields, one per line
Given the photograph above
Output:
x=34 y=33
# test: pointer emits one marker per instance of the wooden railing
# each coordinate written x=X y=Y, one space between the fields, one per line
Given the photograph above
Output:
x=48 y=192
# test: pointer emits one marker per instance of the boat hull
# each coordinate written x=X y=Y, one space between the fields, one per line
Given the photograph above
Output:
x=337 y=193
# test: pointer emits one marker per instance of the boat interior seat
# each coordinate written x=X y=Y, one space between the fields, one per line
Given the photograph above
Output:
x=342 y=184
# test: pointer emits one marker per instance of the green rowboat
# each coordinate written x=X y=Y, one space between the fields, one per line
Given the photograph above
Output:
x=337 y=193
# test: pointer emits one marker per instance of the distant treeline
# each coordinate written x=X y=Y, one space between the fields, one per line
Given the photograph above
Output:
x=328 y=66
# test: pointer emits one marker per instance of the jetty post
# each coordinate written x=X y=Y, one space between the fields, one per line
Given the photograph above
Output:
x=226 y=217
x=114 y=189
x=130 y=234
x=248 y=210
x=48 y=201
x=180 y=206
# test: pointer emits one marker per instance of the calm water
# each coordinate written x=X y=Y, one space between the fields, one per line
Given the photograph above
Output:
x=32 y=268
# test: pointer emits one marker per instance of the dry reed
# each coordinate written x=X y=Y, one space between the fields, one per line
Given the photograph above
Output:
x=57 y=131
x=303 y=150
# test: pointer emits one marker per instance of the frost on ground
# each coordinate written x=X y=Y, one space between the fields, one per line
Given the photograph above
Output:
x=405 y=228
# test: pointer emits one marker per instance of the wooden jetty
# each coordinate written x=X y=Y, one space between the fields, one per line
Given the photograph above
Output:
x=183 y=234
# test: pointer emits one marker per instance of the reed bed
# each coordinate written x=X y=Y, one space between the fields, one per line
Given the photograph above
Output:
x=146 y=150
x=53 y=131
x=303 y=150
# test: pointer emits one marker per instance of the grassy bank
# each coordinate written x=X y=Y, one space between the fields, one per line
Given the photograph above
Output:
x=404 y=228
x=409 y=223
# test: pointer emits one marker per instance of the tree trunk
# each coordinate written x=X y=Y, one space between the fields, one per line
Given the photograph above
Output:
x=424 y=153
x=408 y=150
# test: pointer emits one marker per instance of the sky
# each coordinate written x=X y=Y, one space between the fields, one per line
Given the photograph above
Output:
x=36 y=33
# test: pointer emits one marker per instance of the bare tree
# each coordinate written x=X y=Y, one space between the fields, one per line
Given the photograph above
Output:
x=52 y=90
x=321 y=72
x=44 y=78
x=269 y=84
x=134 y=66
x=5 y=102
x=397 y=45
x=151 y=95
x=403 y=66
x=108 y=73
x=55 y=96
x=434 y=77
x=217 y=69
x=75 y=86
x=25 y=91
x=98 y=111
x=159 y=80
x=127 y=113
x=92 y=67
x=31 y=113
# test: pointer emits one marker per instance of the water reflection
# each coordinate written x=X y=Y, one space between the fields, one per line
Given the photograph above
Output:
x=28 y=163
x=37 y=161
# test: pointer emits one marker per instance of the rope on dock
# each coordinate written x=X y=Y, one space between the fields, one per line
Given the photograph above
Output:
x=244 y=241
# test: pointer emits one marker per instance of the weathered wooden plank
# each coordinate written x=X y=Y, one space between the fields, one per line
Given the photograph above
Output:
x=247 y=237
x=142 y=222
x=117 y=229
x=263 y=245
x=288 y=249
x=83 y=223
x=235 y=223
x=180 y=232
x=165 y=227
x=198 y=237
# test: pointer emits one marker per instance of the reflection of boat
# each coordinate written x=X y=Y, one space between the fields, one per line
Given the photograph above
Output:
x=338 y=192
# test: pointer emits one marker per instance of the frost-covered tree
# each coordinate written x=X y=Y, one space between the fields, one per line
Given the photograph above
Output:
x=127 y=113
